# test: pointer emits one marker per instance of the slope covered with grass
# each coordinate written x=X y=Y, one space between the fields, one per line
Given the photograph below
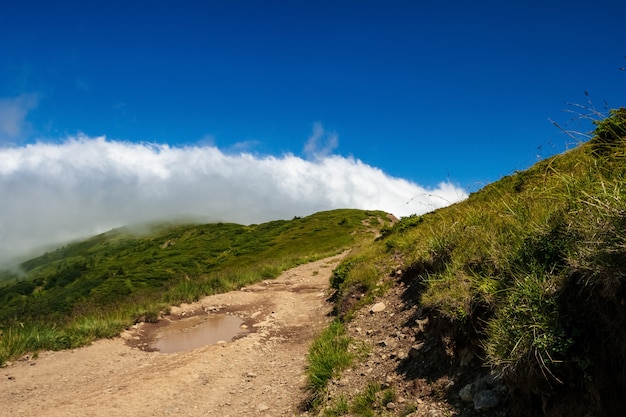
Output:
x=530 y=272
x=95 y=288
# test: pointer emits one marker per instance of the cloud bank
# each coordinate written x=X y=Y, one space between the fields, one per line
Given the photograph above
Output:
x=51 y=193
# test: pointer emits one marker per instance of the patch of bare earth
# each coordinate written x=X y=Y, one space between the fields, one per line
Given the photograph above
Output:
x=261 y=373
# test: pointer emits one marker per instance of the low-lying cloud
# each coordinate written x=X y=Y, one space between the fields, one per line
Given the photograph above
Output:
x=51 y=193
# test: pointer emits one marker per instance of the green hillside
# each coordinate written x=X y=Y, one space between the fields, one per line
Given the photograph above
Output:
x=530 y=272
x=95 y=288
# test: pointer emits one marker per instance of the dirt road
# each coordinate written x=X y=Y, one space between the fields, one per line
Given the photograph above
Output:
x=259 y=374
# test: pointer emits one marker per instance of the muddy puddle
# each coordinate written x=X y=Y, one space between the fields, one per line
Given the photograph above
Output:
x=197 y=331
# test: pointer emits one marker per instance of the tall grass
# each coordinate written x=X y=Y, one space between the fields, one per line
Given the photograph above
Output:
x=35 y=337
x=525 y=263
x=328 y=355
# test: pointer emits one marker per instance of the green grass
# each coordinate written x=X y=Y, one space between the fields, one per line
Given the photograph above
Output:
x=328 y=355
x=94 y=288
x=532 y=265
x=371 y=402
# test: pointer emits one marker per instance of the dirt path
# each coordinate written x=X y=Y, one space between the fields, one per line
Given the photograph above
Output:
x=259 y=374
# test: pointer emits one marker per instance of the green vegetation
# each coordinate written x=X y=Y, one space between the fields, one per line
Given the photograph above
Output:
x=97 y=287
x=372 y=402
x=328 y=355
x=531 y=268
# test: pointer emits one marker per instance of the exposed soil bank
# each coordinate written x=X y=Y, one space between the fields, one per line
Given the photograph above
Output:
x=261 y=373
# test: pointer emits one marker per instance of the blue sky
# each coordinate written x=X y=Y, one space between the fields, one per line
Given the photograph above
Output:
x=419 y=92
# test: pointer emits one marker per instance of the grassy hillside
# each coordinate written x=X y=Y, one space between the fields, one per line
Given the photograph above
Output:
x=530 y=272
x=95 y=288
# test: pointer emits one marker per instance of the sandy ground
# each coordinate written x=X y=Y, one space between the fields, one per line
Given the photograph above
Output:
x=259 y=374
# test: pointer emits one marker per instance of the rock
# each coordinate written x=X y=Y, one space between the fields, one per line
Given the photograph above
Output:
x=390 y=406
x=467 y=393
x=377 y=308
x=415 y=350
x=401 y=355
x=486 y=400
x=262 y=408
x=421 y=324
x=485 y=392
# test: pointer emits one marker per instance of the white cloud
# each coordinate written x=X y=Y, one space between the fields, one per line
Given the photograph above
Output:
x=321 y=143
x=13 y=112
x=51 y=193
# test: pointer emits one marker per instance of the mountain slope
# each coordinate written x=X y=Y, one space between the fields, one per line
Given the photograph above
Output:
x=526 y=278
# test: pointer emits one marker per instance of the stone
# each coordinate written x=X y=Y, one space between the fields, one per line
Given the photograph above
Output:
x=486 y=400
x=415 y=350
x=485 y=392
x=421 y=324
x=467 y=393
x=390 y=406
x=378 y=307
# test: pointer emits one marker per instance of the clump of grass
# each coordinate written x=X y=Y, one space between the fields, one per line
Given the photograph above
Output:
x=374 y=399
x=338 y=407
x=526 y=330
x=328 y=355
x=363 y=404
x=27 y=338
x=85 y=329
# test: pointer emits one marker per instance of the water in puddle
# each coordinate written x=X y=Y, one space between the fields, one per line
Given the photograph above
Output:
x=197 y=331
